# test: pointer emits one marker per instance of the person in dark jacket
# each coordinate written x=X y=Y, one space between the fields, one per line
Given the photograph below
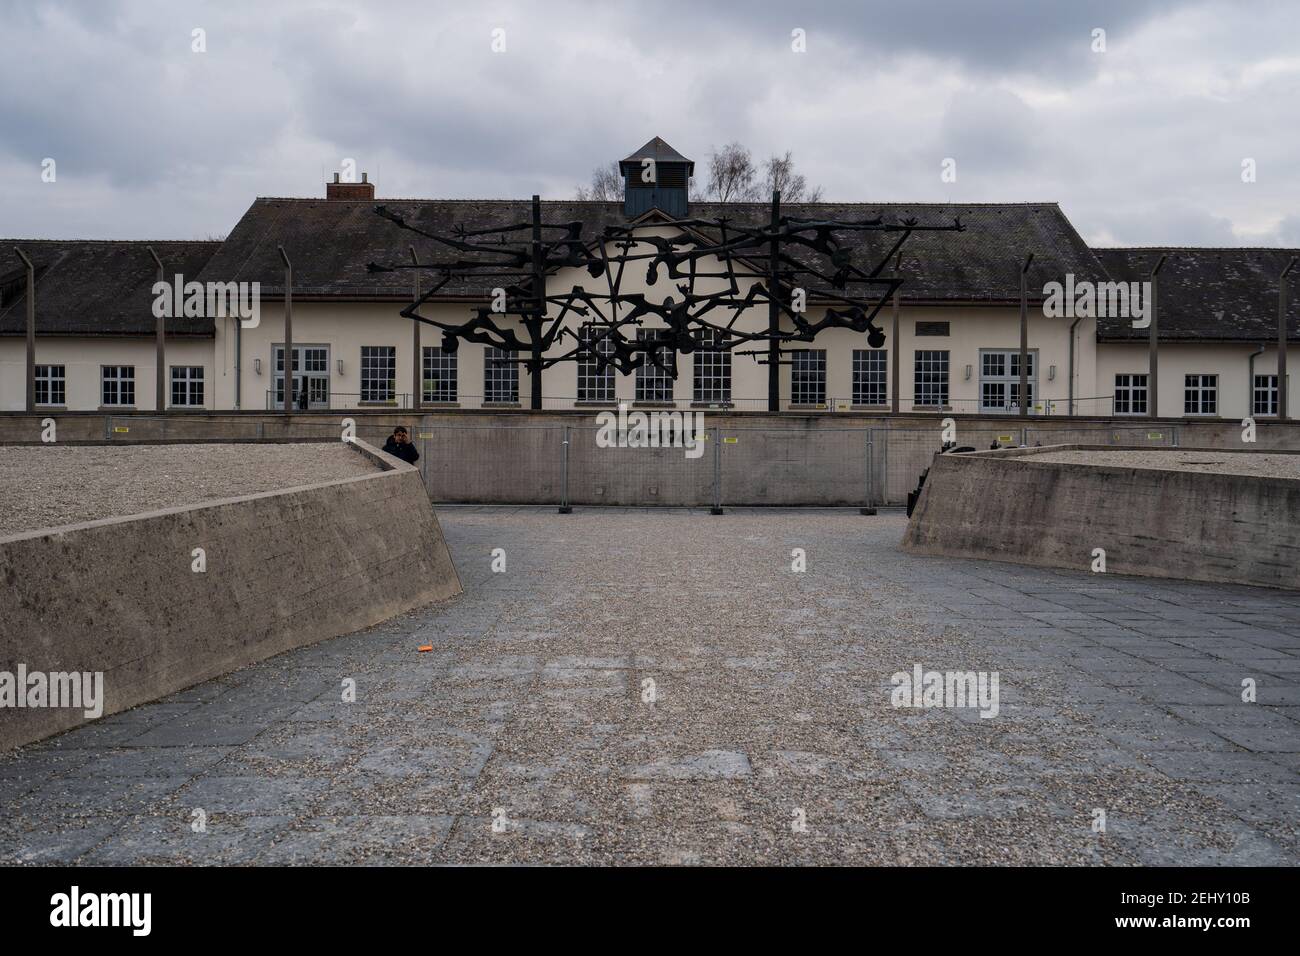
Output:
x=399 y=446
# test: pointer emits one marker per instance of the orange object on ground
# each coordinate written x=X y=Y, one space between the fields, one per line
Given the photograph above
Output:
x=425 y=647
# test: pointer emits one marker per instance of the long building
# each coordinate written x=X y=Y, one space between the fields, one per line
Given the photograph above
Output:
x=952 y=341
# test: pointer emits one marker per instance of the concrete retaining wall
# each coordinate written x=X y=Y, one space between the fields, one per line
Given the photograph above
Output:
x=284 y=569
x=1006 y=506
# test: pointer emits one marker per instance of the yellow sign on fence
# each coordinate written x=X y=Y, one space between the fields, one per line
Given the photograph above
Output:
x=121 y=429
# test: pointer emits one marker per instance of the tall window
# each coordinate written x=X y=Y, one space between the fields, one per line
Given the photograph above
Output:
x=1264 y=394
x=187 y=385
x=654 y=383
x=808 y=377
x=50 y=385
x=500 y=376
x=1200 y=394
x=930 y=378
x=712 y=368
x=1130 y=394
x=870 y=377
x=439 y=375
x=1000 y=380
x=595 y=384
x=117 y=385
x=378 y=373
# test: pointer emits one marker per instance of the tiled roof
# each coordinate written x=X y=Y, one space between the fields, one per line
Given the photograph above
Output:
x=95 y=287
x=331 y=242
x=1206 y=294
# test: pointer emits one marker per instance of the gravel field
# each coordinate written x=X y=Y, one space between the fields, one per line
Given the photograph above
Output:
x=49 y=485
x=1262 y=465
x=661 y=687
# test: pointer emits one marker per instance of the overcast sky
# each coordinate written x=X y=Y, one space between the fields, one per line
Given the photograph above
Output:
x=1142 y=144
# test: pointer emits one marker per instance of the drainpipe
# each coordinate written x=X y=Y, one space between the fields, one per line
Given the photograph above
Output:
x=288 y=334
x=1153 y=343
x=160 y=341
x=1024 y=336
x=31 y=330
x=1281 y=342
x=1074 y=325
x=1250 y=381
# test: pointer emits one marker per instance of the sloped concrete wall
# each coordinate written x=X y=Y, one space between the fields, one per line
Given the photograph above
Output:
x=283 y=569
x=1006 y=506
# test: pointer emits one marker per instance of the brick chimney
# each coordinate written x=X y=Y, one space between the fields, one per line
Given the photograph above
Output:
x=340 y=190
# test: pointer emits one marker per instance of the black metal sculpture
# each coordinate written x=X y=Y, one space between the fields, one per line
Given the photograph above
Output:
x=792 y=265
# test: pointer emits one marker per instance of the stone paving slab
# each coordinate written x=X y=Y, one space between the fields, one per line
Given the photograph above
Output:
x=660 y=687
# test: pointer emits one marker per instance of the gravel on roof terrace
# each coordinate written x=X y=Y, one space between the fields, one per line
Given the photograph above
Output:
x=43 y=486
x=1253 y=464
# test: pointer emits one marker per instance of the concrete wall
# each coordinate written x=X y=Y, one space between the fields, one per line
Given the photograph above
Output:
x=284 y=569
x=1006 y=506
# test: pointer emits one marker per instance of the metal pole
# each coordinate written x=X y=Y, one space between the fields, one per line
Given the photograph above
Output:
x=565 y=507
x=417 y=365
x=773 y=312
x=897 y=349
x=31 y=329
x=288 y=333
x=1024 y=336
x=717 y=472
x=536 y=319
x=160 y=343
x=1153 y=343
x=1281 y=342
x=870 y=508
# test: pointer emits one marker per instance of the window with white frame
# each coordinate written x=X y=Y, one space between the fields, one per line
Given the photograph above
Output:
x=117 y=385
x=439 y=375
x=1264 y=395
x=1130 y=393
x=500 y=376
x=1200 y=394
x=654 y=382
x=378 y=373
x=595 y=384
x=870 y=377
x=712 y=368
x=1000 y=379
x=808 y=377
x=930 y=378
x=311 y=365
x=51 y=385
x=187 y=385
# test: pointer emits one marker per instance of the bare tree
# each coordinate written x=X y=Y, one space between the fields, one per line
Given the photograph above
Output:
x=606 y=185
x=732 y=175
x=780 y=174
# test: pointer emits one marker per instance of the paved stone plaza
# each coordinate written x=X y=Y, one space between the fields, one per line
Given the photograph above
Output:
x=524 y=735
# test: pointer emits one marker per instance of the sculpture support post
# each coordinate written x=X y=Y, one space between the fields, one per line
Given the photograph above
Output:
x=774 y=312
x=417 y=370
x=537 y=317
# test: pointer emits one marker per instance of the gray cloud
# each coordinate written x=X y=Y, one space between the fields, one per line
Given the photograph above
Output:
x=1141 y=144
